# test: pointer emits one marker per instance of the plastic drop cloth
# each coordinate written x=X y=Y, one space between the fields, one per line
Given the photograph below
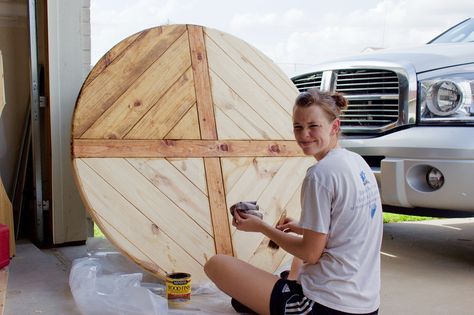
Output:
x=108 y=283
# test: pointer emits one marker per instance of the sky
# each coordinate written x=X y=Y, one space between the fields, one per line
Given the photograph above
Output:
x=295 y=34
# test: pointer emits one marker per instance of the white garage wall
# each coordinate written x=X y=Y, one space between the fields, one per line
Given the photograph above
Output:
x=69 y=64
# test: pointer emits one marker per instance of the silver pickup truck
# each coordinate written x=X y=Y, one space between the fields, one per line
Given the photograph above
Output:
x=411 y=116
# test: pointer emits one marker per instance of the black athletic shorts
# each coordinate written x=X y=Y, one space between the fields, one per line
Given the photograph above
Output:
x=288 y=298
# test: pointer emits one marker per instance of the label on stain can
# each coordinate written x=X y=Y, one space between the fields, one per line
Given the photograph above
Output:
x=178 y=286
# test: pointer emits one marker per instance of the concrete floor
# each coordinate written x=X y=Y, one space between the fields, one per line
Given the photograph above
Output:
x=427 y=268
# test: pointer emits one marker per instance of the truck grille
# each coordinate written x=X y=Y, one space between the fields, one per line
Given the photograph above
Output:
x=308 y=81
x=373 y=96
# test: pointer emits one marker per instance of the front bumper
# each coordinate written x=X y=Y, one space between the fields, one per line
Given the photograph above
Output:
x=407 y=155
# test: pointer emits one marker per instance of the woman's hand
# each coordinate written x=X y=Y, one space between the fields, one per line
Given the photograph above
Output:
x=290 y=225
x=247 y=222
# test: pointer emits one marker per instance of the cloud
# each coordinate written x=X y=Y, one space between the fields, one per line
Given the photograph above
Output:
x=296 y=33
x=388 y=23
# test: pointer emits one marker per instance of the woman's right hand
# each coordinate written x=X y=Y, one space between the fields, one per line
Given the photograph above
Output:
x=290 y=225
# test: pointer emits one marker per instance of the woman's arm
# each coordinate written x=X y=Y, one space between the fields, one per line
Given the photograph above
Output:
x=309 y=247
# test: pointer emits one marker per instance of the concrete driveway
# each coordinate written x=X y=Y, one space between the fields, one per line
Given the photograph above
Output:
x=427 y=269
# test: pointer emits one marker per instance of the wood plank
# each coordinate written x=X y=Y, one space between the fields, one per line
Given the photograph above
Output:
x=3 y=288
x=170 y=71
x=202 y=82
x=155 y=205
x=167 y=112
x=227 y=128
x=273 y=200
x=258 y=175
x=242 y=53
x=177 y=187
x=102 y=92
x=2 y=86
x=110 y=56
x=193 y=169
x=6 y=216
x=217 y=202
x=114 y=208
x=187 y=127
x=183 y=148
x=265 y=257
x=239 y=111
x=245 y=86
x=270 y=67
x=128 y=248
x=233 y=169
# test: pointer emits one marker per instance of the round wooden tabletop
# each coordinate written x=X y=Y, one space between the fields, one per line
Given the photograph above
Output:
x=171 y=127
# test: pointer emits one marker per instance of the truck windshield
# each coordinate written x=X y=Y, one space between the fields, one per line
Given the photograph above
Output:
x=462 y=32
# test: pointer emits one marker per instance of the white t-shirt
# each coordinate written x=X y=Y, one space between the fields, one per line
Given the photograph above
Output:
x=340 y=198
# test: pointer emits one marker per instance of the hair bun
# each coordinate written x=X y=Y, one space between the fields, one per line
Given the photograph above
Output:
x=339 y=100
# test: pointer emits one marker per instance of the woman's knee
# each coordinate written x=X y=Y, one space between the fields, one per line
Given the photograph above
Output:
x=215 y=263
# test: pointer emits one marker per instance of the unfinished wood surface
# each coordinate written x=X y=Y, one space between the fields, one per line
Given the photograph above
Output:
x=3 y=288
x=6 y=216
x=172 y=126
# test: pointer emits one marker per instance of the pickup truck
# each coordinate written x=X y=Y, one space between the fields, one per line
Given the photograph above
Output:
x=411 y=117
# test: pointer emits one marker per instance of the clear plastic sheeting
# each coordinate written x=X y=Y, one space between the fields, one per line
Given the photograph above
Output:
x=105 y=282
x=108 y=283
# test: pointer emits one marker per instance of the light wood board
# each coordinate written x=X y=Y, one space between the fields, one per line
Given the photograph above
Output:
x=172 y=126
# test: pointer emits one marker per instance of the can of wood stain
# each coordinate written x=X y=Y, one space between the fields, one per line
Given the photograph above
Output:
x=178 y=286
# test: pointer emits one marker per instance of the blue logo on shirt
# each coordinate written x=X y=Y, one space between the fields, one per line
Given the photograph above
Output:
x=363 y=177
x=373 y=208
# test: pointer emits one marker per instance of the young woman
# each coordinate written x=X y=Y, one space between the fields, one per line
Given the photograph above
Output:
x=337 y=238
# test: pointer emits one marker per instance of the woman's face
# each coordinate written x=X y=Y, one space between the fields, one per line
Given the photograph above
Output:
x=314 y=132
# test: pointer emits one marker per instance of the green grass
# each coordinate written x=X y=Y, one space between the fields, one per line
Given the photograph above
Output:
x=393 y=217
x=97 y=231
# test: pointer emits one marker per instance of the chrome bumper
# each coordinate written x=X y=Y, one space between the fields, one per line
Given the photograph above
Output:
x=409 y=154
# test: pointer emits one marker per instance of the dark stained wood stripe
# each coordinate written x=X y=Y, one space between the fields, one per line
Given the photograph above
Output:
x=208 y=128
x=107 y=148
x=202 y=83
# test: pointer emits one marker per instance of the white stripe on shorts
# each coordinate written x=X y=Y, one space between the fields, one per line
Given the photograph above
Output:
x=304 y=306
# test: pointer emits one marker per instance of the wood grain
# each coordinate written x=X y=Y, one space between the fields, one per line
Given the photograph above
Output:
x=173 y=125
x=217 y=202
x=202 y=83
x=113 y=208
x=245 y=123
x=147 y=199
x=136 y=101
x=105 y=89
x=207 y=126
x=248 y=89
x=168 y=111
x=110 y=56
x=183 y=148
x=187 y=127
x=242 y=53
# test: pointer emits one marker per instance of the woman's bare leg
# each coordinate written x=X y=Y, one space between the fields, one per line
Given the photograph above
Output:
x=247 y=284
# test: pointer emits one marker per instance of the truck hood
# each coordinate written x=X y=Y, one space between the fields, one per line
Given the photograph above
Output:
x=422 y=58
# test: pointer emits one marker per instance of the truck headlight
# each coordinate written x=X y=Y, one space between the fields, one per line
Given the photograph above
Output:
x=447 y=98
